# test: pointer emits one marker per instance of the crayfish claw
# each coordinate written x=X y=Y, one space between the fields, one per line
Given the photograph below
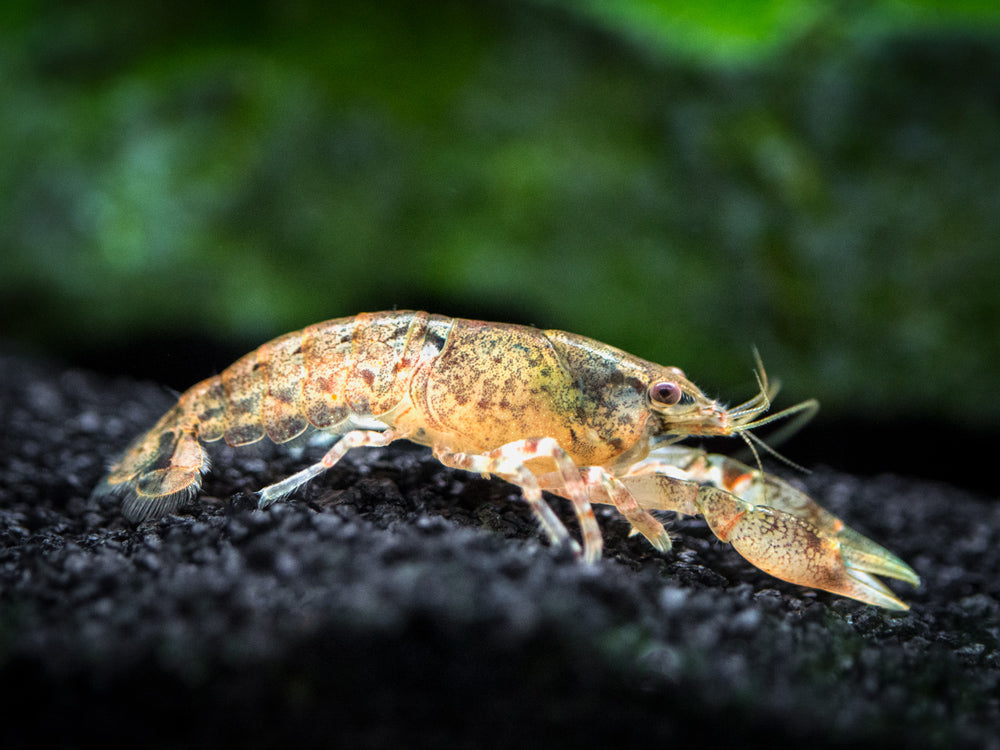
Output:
x=794 y=549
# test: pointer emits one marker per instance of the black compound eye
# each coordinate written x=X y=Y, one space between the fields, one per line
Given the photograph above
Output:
x=665 y=392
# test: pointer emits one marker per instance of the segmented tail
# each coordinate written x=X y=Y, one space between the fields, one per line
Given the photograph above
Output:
x=159 y=471
x=329 y=376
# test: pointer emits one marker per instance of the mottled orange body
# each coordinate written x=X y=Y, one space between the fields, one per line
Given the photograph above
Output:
x=545 y=410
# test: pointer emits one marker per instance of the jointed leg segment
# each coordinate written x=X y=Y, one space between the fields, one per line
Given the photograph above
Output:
x=643 y=522
x=508 y=462
x=352 y=439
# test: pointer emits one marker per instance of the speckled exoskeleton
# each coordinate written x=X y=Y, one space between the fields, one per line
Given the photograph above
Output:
x=545 y=410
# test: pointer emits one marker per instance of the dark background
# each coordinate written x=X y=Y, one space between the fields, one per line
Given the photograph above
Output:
x=180 y=182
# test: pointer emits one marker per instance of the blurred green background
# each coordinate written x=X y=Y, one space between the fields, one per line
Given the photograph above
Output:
x=182 y=181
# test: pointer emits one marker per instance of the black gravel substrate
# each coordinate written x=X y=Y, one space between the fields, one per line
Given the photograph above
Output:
x=394 y=603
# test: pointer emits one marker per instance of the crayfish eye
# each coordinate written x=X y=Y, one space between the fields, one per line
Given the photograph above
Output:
x=665 y=392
